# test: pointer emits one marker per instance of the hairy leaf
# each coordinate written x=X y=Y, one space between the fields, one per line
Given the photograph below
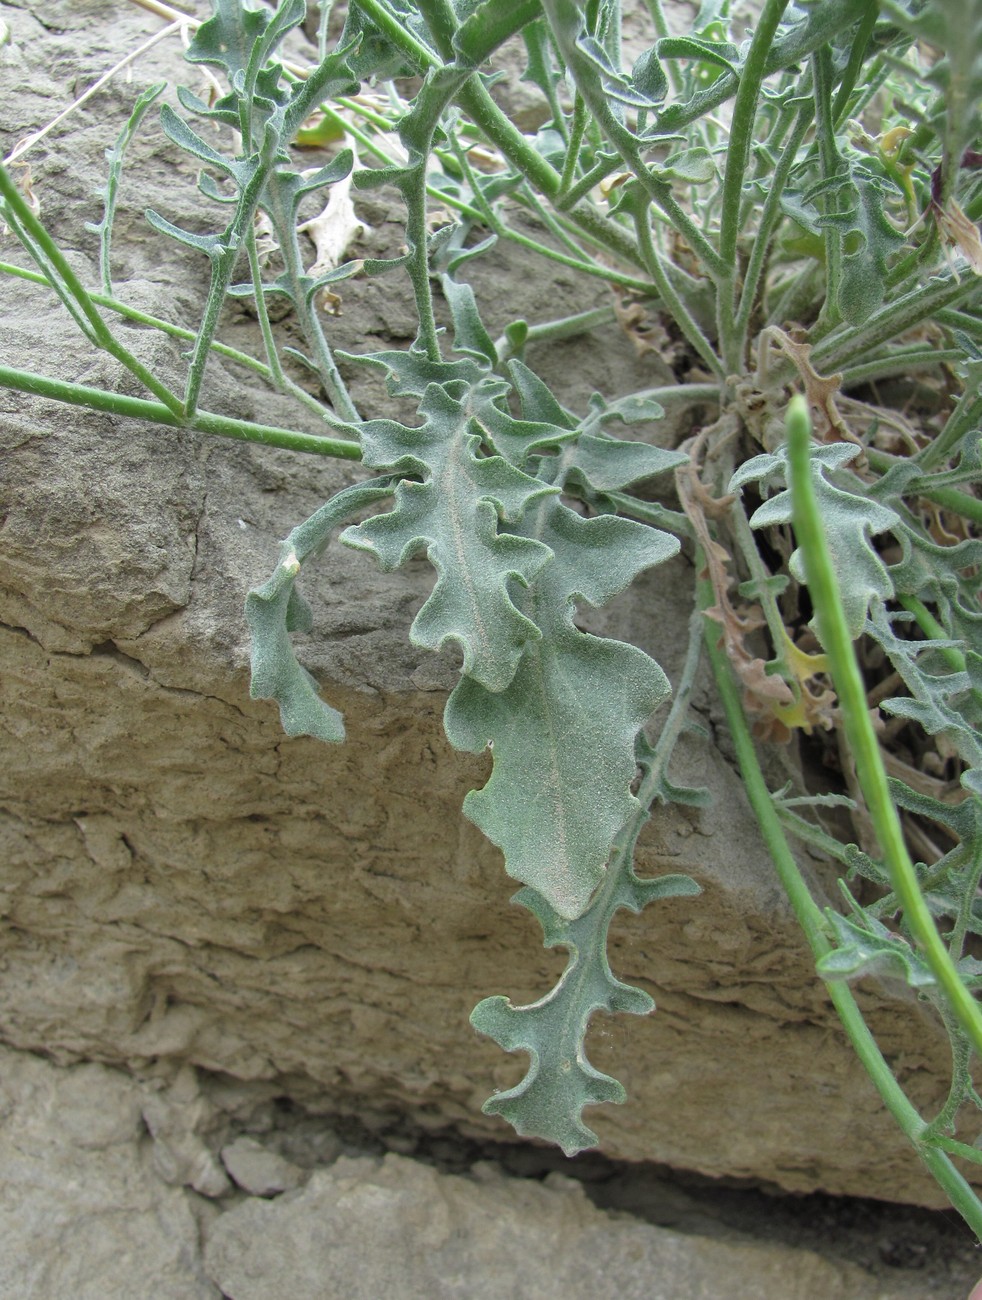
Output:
x=563 y=732
x=452 y=512
x=549 y=1101
x=850 y=519
x=869 y=948
x=276 y=609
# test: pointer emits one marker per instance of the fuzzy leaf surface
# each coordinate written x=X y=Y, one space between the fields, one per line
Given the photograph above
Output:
x=560 y=1081
x=451 y=507
x=563 y=732
x=850 y=519
x=276 y=609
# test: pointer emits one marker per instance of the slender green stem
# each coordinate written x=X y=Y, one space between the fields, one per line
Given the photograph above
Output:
x=652 y=782
x=143 y=318
x=747 y=545
x=828 y=153
x=567 y=201
x=397 y=32
x=21 y=215
x=837 y=642
x=969 y=893
x=648 y=512
x=741 y=129
x=931 y=628
x=960 y=320
x=280 y=379
x=262 y=312
x=769 y=216
x=960 y=503
x=97 y=399
x=890 y=321
x=282 y=214
x=966 y=415
x=537 y=48
x=576 y=130
x=565 y=327
x=900 y=362
x=957 y=1189
x=737 y=157
x=857 y=57
x=666 y=291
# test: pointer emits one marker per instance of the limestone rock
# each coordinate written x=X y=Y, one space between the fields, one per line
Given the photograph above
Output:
x=363 y=1229
x=259 y=1171
x=83 y=1213
x=86 y=1215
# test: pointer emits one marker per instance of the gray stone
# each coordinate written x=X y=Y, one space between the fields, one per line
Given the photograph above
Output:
x=259 y=1171
x=86 y=1215
x=83 y=1213
x=364 y=1229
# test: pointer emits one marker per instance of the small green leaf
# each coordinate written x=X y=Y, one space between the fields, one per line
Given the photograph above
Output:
x=276 y=609
x=549 y=1101
x=851 y=517
x=871 y=949
x=691 y=166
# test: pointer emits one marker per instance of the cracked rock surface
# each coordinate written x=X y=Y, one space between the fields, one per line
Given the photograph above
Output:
x=184 y=888
x=87 y=1212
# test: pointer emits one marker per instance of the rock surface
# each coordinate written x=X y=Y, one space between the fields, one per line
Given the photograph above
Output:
x=183 y=886
x=85 y=1214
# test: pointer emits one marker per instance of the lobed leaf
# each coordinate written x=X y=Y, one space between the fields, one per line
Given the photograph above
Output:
x=871 y=949
x=563 y=731
x=452 y=511
x=276 y=609
x=851 y=518
x=560 y=1082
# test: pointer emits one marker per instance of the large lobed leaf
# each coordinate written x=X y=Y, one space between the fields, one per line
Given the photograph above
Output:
x=563 y=732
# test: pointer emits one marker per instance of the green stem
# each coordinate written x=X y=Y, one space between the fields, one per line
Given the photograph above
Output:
x=576 y=130
x=957 y=1189
x=965 y=416
x=565 y=327
x=21 y=216
x=280 y=379
x=900 y=362
x=828 y=154
x=567 y=201
x=960 y=503
x=666 y=291
x=857 y=57
x=769 y=217
x=142 y=318
x=932 y=629
x=890 y=321
x=97 y=399
x=398 y=33
x=737 y=157
x=837 y=642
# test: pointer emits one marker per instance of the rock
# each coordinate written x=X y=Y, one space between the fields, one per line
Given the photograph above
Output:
x=364 y=1228
x=86 y=1215
x=184 y=886
x=259 y=1171
x=83 y=1213
x=174 y=1118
